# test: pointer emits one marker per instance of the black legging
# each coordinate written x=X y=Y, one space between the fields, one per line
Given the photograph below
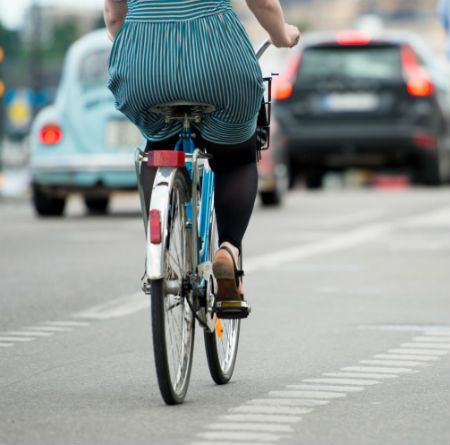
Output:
x=236 y=182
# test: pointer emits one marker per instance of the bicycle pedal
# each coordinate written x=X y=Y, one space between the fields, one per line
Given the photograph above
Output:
x=232 y=309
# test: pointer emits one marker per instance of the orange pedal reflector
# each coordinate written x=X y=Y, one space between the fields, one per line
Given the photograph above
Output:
x=166 y=158
x=219 y=328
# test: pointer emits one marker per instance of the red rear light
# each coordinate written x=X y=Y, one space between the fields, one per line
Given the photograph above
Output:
x=284 y=84
x=353 y=37
x=50 y=134
x=424 y=140
x=418 y=82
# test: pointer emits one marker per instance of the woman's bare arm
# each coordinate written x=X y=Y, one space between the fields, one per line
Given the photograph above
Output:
x=115 y=13
x=270 y=15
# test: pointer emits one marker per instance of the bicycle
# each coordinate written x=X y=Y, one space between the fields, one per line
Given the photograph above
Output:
x=181 y=240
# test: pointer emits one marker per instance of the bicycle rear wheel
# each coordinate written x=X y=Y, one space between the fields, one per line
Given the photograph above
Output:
x=173 y=321
x=221 y=345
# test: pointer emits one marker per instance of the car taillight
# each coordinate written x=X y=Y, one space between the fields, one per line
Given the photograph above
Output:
x=50 y=134
x=353 y=37
x=284 y=84
x=418 y=82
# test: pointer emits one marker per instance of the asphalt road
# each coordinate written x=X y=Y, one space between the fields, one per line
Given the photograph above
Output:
x=347 y=342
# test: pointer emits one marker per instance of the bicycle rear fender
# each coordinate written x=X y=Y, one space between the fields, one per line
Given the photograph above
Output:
x=155 y=261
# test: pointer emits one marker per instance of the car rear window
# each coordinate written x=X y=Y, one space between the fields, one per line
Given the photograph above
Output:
x=94 y=68
x=351 y=62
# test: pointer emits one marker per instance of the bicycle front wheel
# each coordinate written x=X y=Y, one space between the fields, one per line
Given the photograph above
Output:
x=222 y=344
x=173 y=321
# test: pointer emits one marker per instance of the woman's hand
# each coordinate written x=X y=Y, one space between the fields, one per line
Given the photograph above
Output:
x=290 y=39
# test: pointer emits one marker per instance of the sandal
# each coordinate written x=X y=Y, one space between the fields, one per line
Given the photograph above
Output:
x=228 y=302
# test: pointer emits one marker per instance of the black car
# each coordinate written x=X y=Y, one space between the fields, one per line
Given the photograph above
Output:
x=353 y=100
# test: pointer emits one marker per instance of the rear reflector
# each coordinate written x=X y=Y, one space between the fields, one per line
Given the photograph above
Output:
x=155 y=226
x=424 y=140
x=50 y=134
x=353 y=37
x=166 y=158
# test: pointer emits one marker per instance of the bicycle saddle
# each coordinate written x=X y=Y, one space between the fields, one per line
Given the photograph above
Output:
x=180 y=110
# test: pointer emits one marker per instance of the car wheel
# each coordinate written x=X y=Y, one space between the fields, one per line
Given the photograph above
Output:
x=272 y=198
x=97 y=205
x=429 y=171
x=46 y=204
x=313 y=179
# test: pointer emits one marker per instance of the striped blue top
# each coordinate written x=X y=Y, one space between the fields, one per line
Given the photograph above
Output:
x=172 y=10
x=186 y=50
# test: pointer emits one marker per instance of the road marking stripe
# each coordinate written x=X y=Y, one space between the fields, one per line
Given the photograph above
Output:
x=392 y=363
x=5 y=345
x=360 y=374
x=23 y=339
x=49 y=328
x=406 y=357
x=343 y=381
x=288 y=402
x=75 y=324
x=418 y=351
x=402 y=327
x=431 y=339
x=269 y=418
x=425 y=345
x=29 y=333
x=236 y=426
x=231 y=442
x=307 y=394
x=264 y=409
x=232 y=435
x=438 y=333
x=377 y=369
x=327 y=388
x=118 y=307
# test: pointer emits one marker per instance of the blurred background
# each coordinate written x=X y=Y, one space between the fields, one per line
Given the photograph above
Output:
x=36 y=34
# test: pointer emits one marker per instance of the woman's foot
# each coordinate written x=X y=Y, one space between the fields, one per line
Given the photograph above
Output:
x=227 y=274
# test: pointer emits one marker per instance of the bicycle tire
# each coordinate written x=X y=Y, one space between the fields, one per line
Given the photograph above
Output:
x=173 y=322
x=222 y=344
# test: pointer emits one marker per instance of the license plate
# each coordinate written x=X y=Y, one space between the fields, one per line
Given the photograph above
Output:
x=120 y=133
x=348 y=102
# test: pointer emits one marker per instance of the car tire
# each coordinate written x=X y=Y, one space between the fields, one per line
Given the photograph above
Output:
x=272 y=198
x=429 y=171
x=313 y=179
x=98 y=206
x=46 y=204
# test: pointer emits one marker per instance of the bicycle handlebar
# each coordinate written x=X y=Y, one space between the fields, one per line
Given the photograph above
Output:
x=262 y=49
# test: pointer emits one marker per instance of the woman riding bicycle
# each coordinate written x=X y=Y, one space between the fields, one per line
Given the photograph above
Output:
x=198 y=51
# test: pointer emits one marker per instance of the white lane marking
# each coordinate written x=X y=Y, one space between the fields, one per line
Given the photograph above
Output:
x=418 y=351
x=392 y=363
x=235 y=426
x=118 y=307
x=377 y=369
x=265 y=409
x=404 y=327
x=343 y=381
x=361 y=235
x=29 y=333
x=302 y=267
x=436 y=218
x=233 y=435
x=406 y=357
x=49 y=328
x=269 y=418
x=431 y=339
x=443 y=333
x=288 y=402
x=349 y=290
x=75 y=324
x=307 y=394
x=425 y=345
x=231 y=442
x=360 y=375
x=326 y=388
x=13 y=339
x=5 y=345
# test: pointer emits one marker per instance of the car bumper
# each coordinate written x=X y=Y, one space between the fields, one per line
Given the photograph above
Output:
x=85 y=171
